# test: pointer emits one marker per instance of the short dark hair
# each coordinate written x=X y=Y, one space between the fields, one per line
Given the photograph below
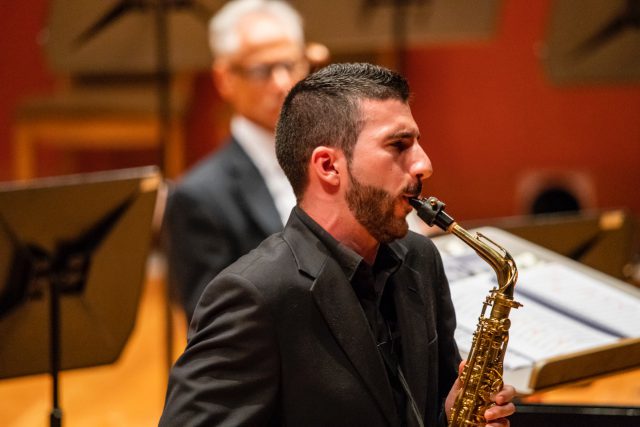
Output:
x=324 y=109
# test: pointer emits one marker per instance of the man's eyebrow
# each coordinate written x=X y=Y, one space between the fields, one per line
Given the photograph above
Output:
x=404 y=134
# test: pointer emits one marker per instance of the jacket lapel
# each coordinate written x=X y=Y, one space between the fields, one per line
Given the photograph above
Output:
x=341 y=310
x=411 y=311
x=252 y=193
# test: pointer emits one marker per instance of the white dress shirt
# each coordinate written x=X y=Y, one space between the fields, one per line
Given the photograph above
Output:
x=259 y=144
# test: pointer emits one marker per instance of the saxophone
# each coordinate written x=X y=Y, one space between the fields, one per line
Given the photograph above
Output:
x=482 y=373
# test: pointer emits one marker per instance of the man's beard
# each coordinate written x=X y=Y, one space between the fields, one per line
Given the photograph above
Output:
x=374 y=208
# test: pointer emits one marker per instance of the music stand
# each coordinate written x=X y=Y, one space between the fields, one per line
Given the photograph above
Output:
x=602 y=239
x=73 y=252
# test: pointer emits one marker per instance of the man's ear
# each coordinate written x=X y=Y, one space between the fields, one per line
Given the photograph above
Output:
x=325 y=165
x=222 y=80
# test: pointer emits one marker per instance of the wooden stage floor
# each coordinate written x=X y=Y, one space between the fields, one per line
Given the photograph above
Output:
x=131 y=391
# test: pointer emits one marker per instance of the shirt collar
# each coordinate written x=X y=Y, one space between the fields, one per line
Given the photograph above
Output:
x=257 y=142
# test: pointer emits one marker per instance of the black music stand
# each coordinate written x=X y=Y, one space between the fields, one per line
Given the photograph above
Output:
x=73 y=252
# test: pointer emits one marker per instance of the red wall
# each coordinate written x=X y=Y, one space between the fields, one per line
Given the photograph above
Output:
x=489 y=115
x=24 y=72
x=22 y=68
x=487 y=112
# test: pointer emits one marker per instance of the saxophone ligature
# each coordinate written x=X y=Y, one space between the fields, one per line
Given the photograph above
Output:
x=482 y=373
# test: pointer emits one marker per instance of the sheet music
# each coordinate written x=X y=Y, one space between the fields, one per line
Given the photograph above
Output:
x=582 y=297
x=538 y=332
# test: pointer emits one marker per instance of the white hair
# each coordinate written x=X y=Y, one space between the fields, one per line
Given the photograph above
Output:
x=223 y=35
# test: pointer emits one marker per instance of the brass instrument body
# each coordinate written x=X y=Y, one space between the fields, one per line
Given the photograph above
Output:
x=482 y=373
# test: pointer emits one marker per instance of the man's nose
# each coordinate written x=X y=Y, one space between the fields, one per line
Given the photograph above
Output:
x=421 y=165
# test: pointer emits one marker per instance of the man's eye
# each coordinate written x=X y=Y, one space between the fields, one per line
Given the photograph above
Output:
x=400 y=145
x=261 y=72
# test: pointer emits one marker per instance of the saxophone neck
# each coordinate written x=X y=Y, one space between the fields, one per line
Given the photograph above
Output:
x=431 y=211
x=495 y=255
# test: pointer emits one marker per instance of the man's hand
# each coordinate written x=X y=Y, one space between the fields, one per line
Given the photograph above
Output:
x=453 y=393
x=496 y=415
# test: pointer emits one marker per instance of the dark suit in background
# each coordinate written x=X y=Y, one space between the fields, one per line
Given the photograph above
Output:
x=299 y=352
x=218 y=212
x=222 y=208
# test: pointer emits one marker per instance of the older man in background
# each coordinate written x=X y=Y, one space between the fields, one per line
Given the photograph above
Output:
x=229 y=202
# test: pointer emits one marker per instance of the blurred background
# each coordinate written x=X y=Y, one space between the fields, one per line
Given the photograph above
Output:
x=510 y=96
x=524 y=108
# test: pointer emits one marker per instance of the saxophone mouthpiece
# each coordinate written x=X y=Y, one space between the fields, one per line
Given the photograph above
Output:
x=415 y=202
x=431 y=211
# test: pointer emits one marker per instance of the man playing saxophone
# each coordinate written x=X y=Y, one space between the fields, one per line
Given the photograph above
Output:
x=344 y=318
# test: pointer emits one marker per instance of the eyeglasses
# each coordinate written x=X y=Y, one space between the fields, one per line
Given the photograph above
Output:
x=263 y=72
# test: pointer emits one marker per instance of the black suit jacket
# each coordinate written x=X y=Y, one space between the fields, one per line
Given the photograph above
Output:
x=279 y=338
x=218 y=212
